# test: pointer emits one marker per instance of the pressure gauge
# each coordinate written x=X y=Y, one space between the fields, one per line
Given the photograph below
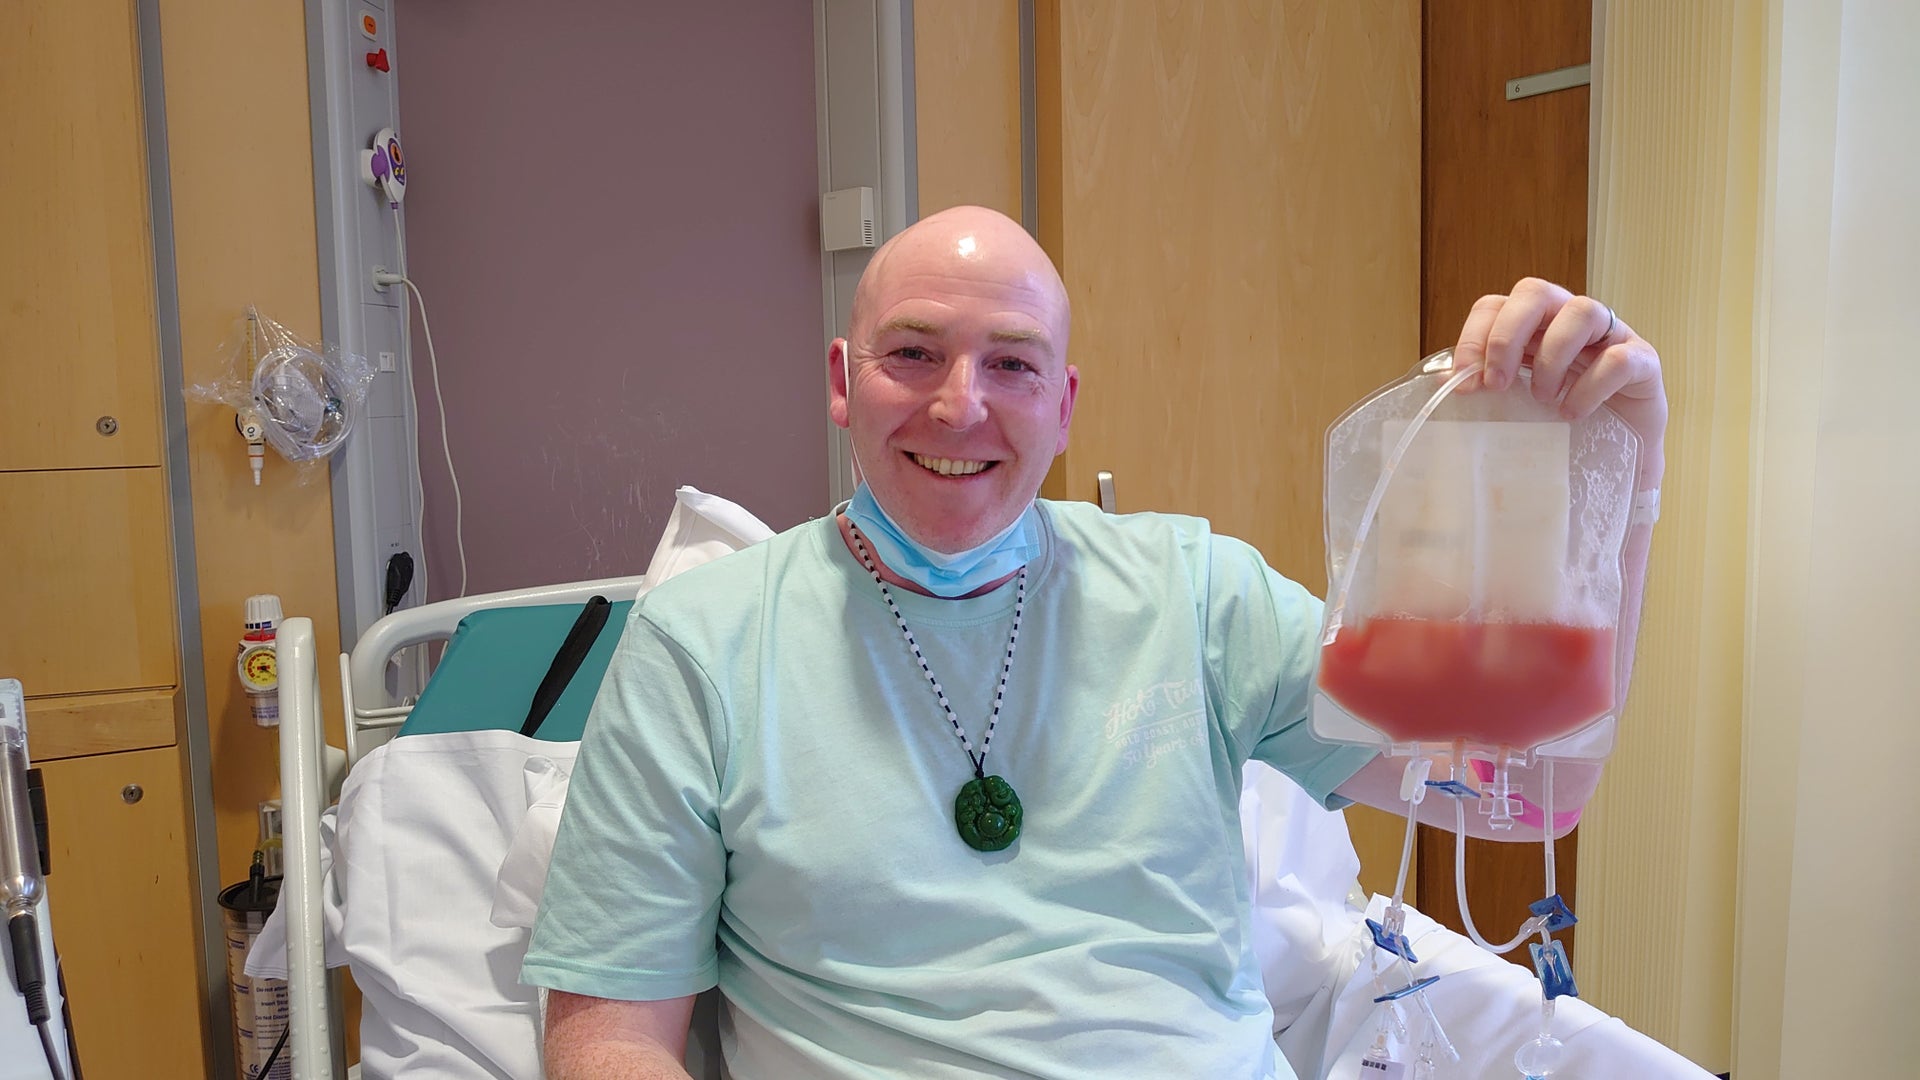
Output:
x=259 y=669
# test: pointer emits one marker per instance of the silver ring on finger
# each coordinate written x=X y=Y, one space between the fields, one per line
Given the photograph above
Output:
x=1613 y=322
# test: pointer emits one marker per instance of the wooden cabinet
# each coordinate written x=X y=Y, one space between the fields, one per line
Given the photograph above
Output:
x=77 y=334
x=89 y=581
x=121 y=903
x=86 y=549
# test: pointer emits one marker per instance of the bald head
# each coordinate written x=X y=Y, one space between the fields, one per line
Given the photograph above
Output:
x=953 y=379
x=963 y=243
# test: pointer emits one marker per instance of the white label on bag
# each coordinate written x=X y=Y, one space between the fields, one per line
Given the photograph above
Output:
x=1524 y=505
x=1474 y=521
x=1425 y=529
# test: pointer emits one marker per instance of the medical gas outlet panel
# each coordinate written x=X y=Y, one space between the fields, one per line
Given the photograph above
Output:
x=360 y=175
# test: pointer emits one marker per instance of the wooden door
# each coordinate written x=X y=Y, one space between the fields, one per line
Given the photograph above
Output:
x=1232 y=194
x=122 y=912
x=1505 y=196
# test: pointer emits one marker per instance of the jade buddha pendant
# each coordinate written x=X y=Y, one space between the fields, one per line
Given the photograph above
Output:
x=987 y=813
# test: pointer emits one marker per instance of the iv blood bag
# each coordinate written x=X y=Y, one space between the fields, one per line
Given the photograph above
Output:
x=1474 y=551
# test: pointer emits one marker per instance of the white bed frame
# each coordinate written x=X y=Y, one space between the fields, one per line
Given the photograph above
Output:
x=310 y=770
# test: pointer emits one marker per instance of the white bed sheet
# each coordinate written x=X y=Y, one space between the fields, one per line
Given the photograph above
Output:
x=412 y=853
x=1488 y=1007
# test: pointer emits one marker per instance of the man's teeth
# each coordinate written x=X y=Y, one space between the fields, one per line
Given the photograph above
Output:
x=950 y=467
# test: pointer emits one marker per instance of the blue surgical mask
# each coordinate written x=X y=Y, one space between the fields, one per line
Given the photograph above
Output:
x=939 y=572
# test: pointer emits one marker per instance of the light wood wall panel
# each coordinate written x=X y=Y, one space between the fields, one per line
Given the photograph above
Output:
x=239 y=141
x=89 y=580
x=77 y=335
x=1674 y=250
x=966 y=70
x=1232 y=193
x=244 y=233
x=1239 y=216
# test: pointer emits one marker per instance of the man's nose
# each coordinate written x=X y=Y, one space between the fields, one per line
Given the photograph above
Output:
x=959 y=402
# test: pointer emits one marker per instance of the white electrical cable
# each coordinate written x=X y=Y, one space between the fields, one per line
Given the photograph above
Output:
x=419 y=488
x=440 y=403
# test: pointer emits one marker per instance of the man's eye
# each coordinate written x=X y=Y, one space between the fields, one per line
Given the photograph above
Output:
x=912 y=352
x=1012 y=363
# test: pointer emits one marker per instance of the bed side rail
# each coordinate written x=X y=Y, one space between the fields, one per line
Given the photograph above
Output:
x=304 y=796
x=363 y=688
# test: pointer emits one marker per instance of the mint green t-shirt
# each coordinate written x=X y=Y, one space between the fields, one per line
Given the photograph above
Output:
x=764 y=799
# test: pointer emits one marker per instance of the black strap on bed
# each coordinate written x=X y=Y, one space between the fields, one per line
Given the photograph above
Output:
x=573 y=652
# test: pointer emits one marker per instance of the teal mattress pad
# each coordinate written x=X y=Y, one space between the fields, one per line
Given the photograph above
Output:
x=497 y=659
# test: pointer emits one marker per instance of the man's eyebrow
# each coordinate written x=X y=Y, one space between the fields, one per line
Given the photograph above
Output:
x=909 y=324
x=913 y=325
x=1022 y=337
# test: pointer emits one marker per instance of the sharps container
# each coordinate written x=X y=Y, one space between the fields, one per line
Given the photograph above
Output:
x=260 y=1006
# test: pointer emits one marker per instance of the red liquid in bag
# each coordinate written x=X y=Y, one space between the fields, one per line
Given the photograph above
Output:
x=1502 y=684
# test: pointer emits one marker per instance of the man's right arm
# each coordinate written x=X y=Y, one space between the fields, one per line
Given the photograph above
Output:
x=590 y=1038
x=627 y=925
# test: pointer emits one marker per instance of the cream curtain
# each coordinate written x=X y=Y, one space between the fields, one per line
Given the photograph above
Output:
x=1676 y=184
x=1754 y=215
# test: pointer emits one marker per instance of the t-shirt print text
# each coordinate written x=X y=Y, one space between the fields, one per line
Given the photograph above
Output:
x=1158 y=720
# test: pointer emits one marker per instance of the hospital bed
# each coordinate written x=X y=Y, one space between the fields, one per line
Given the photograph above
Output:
x=438 y=831
x=310 y=771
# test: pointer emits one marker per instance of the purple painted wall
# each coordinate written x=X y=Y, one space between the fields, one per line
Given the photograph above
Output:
x=612 y=213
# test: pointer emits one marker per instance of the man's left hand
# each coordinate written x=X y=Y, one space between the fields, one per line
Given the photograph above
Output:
x=1582 y=355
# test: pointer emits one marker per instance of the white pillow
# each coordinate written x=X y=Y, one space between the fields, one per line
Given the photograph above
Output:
x=703 y=528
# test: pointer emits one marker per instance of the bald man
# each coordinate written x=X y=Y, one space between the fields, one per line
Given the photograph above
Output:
x=946 y=785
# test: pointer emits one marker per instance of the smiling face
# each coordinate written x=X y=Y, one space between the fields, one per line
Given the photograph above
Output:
x=953 y=379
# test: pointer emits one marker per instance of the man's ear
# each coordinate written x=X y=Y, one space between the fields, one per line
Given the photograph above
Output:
x=1066 y=408
x=837 y=382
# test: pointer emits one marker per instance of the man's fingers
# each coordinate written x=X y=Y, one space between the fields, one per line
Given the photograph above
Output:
x=1523 y=315
x=1472 y=346
x=1580 y=324
x=1618 y=367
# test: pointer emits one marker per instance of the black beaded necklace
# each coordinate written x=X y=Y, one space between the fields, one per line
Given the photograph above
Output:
x=987 y=811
